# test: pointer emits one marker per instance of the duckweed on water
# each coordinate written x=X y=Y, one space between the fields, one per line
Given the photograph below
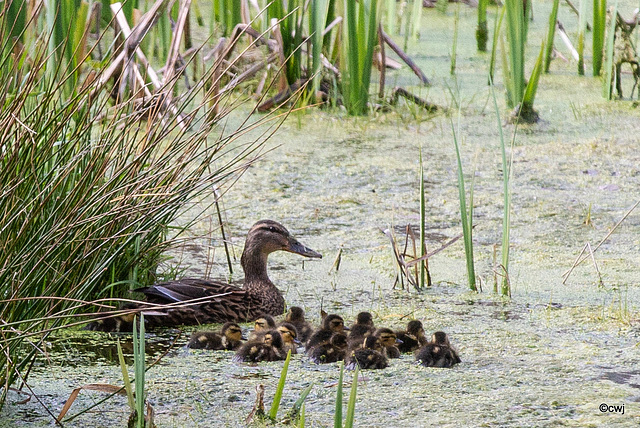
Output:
x=549 y=357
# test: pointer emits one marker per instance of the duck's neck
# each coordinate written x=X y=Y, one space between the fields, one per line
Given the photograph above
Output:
x=254 y=264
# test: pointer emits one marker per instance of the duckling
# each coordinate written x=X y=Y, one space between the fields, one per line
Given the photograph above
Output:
x=270 y=348
x=389 y=340
x=262 y=324
x=295 y=316
x=362 y=328
x=289 y=337
x=219 y=301
x=331 y=324
x=412 y=338
x=369 y=356
x=438 y=353
x=331 y=352
x=229 y=338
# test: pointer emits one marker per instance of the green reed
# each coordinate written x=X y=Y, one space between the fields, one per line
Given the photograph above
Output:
x=466 y=214
x=360 y=36
x=551 y=33
x=482 y=31
x=599 y=25
x=607 y=81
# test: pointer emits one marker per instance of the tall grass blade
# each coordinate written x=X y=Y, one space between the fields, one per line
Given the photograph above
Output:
x=351 y=405
x=454 y=48
x=125 y=378
x=138 y=361
x=359 y=39
x=494 y=46
x=423 y=215
x=551 y=32
x=607 y=82
x=416 y=18
x=482 y=32
x=337 y=415
x=466 y=216
x=390 y=7
x=516 y=40
x=506 y=217
x=532 y=86
x=273 y=412
x=582 y=27
x=599 y=27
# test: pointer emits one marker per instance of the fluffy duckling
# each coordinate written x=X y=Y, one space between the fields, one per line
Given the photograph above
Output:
x=331 y=324
x=261 y=325
x=438 y=353
x=295 y=316
x=331 y=352
x=270 y=348
x=412 y=338
x=389 y=341
x=362 y=328
x=229 y=338
x=289 y=337
x=369 y=356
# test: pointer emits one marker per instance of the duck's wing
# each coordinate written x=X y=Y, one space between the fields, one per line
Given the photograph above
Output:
x=186 y=289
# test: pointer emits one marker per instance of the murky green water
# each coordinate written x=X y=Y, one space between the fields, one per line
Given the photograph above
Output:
x=548 y=357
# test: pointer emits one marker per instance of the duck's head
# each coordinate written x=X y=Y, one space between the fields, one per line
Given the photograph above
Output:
x=365 y=318
x=372 y=342
x=267 y=236
x=264 y=323
x=440 y=338
x=295 y=314
x=334 y=323
x=288 y=332
x=387 y=337
x=232 y=332
x=272 y=338
x=339 y=341
x=415 y=328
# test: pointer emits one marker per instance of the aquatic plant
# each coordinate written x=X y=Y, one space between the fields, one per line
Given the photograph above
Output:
x=517 y=13
x=273 y=411
x=359 y=39
x=608 y=78
x=466 y=214
x=482 y=32
x=351 y=404
x=454 y=47
x=90 y=196
x=551 y=32
x=582 y=27
x=598 y=33
x=505 y=288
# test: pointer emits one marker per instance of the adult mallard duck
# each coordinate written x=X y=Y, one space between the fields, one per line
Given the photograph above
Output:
x=438 y=352
x=216 y=302
x=229 y=338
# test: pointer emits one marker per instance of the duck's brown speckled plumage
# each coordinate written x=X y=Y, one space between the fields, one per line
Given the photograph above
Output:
x=221 y=302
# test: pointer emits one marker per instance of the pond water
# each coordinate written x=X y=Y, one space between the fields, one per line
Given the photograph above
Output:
x=548 y=357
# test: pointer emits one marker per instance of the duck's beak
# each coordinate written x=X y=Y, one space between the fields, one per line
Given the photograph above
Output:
x=298 y=248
